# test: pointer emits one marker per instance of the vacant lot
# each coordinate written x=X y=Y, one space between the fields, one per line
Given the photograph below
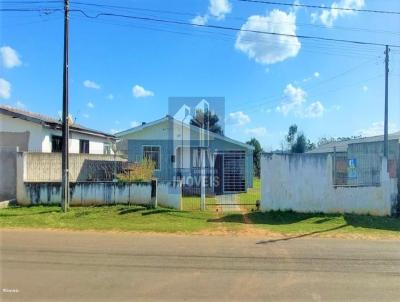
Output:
x=140 y=219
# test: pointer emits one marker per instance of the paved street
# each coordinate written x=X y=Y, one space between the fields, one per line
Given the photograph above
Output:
x=74 y=266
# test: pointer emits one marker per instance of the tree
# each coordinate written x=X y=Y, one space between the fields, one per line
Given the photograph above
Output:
x=256 y=155
x=207 y=120
x=297 y=141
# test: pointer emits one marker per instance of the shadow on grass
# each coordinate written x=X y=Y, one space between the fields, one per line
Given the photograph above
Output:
x=29 y=214
x=290 y=217
x=159 y=211
x=302 y=235
x=373 y=222
x=124 y=211
x=274 y=217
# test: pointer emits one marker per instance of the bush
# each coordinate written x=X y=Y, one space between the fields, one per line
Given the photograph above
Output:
x=142 y=171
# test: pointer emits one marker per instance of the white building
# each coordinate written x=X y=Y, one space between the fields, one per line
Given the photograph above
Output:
x=38 y=133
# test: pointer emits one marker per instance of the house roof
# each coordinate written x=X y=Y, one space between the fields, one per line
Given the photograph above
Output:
x=169 y=118
x=49 y=122
x=341 y=146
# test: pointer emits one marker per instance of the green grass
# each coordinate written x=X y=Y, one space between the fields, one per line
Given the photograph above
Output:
x=251 y=196
x=289 y=222
x=140 y=219
x=118 y=218
x=192 y=203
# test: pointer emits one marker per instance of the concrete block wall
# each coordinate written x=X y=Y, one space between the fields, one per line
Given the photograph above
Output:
x=304 y=183
x=169 y=194
x=46 y=167
x=88 y=193
x=8 y=169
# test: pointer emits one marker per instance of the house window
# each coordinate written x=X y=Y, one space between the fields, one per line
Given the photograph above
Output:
x=107 y=148
x=83 y=146
x=152 y=153
x=56 y=143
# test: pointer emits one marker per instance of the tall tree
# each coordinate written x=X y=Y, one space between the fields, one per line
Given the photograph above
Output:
x=207 y=120
x=297 y=141
x=256 y=155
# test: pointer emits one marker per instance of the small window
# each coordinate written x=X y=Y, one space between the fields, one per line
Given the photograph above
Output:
x=56 y=143
x=83 y=146
x=107 y=148
x=152 y=153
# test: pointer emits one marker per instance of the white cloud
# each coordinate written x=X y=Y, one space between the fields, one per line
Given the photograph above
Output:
x=9 y=57
x=91 y=84
x=294 y=98
x=269 y=49
x=257 y=132
x=238 y=118
x=329 y=16
x=377 y=128
x=90 y=105
x=365 y=88
x=110 y=96
x=316 y=74
x=314 y=110
x=139 y=92
x=295 y=101
x=20 y=105
x=199 y=20
x=5 y=89
x=85 y=115
x=134 y=124
x=219 y=8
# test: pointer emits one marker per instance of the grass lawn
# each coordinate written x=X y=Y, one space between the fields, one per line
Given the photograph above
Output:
x=118 y=218
x=292 y=223
x=137 y=218
x=248 y=199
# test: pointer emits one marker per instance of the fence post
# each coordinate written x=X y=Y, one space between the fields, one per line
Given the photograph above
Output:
x=154 y=192
x=334 y=166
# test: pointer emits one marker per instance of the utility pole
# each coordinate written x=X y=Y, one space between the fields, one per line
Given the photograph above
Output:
x=385 y=135
x=65 y=116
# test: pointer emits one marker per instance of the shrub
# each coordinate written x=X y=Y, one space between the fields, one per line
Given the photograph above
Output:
x=141 y=171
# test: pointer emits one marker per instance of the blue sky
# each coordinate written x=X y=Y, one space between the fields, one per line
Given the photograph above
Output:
x=123 y=71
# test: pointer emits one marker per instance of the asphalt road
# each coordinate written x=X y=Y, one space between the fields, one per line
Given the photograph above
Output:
x=73 y=266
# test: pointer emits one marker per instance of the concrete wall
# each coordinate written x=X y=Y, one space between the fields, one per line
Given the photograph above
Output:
x=87 y=193
x=304 y=183
x=46 y=167
x=8 y=169
x=169 y=194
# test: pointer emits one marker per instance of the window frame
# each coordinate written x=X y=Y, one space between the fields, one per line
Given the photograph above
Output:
x=88 y=146
x=61 y=143
x=107 y=145
x=159 y=155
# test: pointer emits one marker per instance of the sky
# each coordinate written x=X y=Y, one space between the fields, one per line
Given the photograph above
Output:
x=122 y=71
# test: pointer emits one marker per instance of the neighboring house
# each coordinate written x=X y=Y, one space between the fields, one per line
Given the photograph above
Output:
x=176 y=146
x=38 y=133
x=358 y=161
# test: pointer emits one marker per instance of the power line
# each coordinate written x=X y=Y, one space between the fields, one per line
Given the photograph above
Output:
x=336 y=50
x=178 y=22
x=322 y=7
x=279 y=98
x=117 y=7
x=31 y=2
